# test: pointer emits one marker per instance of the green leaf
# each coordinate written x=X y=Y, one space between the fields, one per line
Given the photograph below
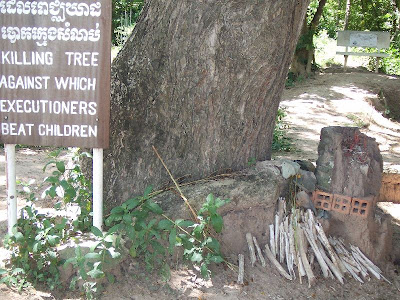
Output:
x=196 y=257
x=51 y=179
x=60 y=166
x=78 y=251
x=217 y=222
x=110 y=278
x=198 y=230
x=113 y=229
x=114 y=254
x=216 y=259
x=157 y=247
x=109 y=238
x=94 y=246
x=52 y=254
x=219 y=202
x=47 y=164
x=71 y=260
x=130 y=230
x=97 y=232
x=117 y=210
x=147 y=191
x=52 y=239
x=127 y=218
x=213 y=244
x=3 y=271
x=132 y=203
x=92 y=255
x=204 y=271
x=52 y=191
x=184 y=223
x=18 y=236
x=95 y=273
x=172 y=239
x=154 y=207
x=165 y=224
x=151 y=223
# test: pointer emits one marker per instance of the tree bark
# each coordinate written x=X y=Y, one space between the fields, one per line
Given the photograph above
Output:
x=304 y=56
x=201 y=81
x=347 y=15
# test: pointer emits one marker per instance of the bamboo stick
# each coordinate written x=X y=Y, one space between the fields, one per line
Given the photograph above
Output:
x=277 y=235
x=281 y=243
x=241 y=269
x=351 y=271
x=251 y=249
x=305 y=263
x=260 y=255
x=280 y=269
x=324 y=240
x=321 y=261
x=272 y=239
x=358 y=258
x=335 y=270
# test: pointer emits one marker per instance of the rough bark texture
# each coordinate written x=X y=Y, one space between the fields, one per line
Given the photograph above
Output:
x=201 y=81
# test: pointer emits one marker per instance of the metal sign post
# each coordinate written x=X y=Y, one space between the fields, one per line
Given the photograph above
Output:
x=98 y=188
x=11 y=186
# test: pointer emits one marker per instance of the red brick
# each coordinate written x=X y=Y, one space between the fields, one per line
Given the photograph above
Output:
x=362 y=206
x=322 y=200
x=341 y=204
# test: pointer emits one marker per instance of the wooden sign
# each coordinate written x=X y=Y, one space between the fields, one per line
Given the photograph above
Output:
x=55 y=72
x=373 y=39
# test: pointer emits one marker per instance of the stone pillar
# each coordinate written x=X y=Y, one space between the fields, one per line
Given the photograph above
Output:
x=350 y=164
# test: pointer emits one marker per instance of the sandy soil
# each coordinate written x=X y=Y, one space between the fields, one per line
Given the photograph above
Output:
x=328 y=99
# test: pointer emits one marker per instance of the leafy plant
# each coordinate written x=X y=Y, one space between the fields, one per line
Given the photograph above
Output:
x=281 y=142
x=34 y=240
x=138 y=227
x=71 y=186
x=33 y=245
x=149 y=229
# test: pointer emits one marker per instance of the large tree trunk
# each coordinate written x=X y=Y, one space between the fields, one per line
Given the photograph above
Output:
x=201 y=81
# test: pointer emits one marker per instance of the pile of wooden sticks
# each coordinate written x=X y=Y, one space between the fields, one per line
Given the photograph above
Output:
x=297 y=242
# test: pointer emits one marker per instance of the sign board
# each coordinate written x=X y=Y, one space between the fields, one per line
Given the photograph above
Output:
x=364 y=39
x=55 y=72
x=372 y=39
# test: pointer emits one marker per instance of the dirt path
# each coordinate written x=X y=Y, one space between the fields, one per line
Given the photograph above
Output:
x=341 y=99
x=329 y=99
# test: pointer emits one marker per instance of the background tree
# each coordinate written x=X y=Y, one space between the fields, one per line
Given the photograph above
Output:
x=360 y=15
x=201 y=81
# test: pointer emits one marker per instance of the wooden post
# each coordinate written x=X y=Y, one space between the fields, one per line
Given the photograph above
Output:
x=11 y=186
x=377 y=64
x=98 y=188
x=345 y=60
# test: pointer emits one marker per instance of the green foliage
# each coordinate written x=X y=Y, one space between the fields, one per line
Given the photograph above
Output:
x=143 y=222
x=367 y=15
x=71 y=186
x=281 y=142
x=33 y=248
x=34 y=240
x=124 y=16
x=139 y=222
x=358 y=121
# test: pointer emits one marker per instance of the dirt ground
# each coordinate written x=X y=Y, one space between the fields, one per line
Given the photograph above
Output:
x=331 y=98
